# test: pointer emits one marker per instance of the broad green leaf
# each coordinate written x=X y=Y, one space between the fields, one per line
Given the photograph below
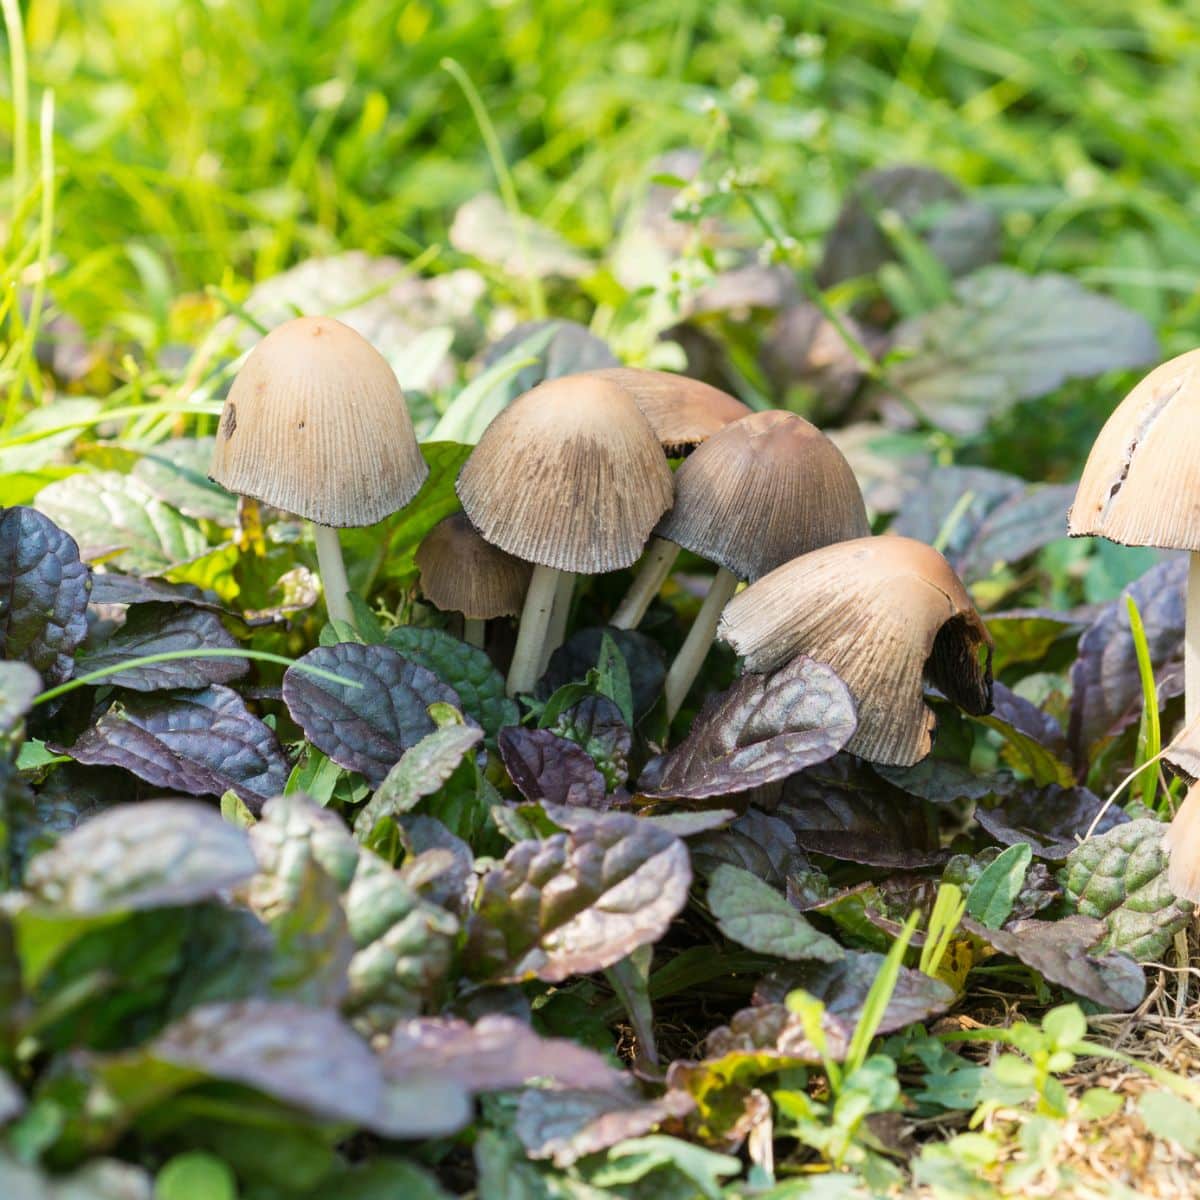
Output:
x=993 y=894
x=1169 y=1116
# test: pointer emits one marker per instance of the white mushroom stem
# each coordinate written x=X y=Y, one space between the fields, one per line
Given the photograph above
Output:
x=531 y=636
x=333 y=574
x=1191 y=643
x=556 y=631
x=651 y=574
x=696 y=645
x=473 y=631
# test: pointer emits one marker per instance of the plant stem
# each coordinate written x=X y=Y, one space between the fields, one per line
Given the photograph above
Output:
x=695 y=648
x=651 y=574
x=557 y=629
x=1191 y=642
x=535 y=618
x=473 y=631
x=333 y=574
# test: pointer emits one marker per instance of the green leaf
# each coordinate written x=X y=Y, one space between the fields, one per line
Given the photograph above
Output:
x=112 y=514
x=613 y=677
x=1120 y=877
x=993 y=894
x=195 y=1176
x=466 y=669
x=1169 y=1116
x=631 y=1161
x=756 y=916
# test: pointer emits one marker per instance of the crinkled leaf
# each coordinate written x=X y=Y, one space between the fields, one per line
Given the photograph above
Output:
x=1120 y=877
x=595 y=724
x=1106 y=689
x=202 y=743
x=19 y=687
x=517 y=245
x=148 y=855
x=764 y=728
x=1007 y=337
x=1062 y=952
x=176 y=472
x=161 y=629
x=108 y=511
x=365 y=728
x=565 y=1125
x=578 y=901
x=993 y=894
x=762 y=844
x=496 y=1054
x=756 y=916
x=451 y=887
x=43 y=593
x=581 y=651
x=942 y=782
x=1051 y=819
x=422 y=769
x=845 y=811
x=1034 y=743
x=466 y=669
x=547 y=767
x=111 y=587
x=960 y=232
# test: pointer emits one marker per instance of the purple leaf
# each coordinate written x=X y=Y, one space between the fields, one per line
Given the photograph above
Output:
x=111 y=587
x=1034 y=741
x=201 y=743
x=758 y=842
x=596 y=724
x=572 y=661
x=547 y=767
x=365 y=728
x=1052 y=820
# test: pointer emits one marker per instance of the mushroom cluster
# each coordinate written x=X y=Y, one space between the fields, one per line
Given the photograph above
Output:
x=574 y=478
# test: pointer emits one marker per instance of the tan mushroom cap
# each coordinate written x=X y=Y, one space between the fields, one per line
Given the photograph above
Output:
x=460 y=572
x=683 y=412
x=886 y=613
x=764 y=490
x=570 y=476
x=1141 y=484
x=316 y=424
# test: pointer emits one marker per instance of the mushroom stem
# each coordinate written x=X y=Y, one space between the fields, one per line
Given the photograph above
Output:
x=651 y=574
x=333 y=573
x=535 y=618
x=473 y=631
x=1191 y=643
x=557 y=629
x=696 y=645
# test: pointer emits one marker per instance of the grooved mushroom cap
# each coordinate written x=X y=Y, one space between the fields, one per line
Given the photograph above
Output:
x=570 y=476
x=1141 y=484
x=460 y=572
x=315 y=423
x=764 y=490
x=886 y=613
x=682 y=411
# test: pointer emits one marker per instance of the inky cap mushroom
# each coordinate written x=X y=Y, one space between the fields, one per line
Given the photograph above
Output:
x=887 y=613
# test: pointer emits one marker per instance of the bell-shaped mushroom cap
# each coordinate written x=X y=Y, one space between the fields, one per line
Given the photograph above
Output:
x=315 y=423
x=460 y=572
x=1141 y=484
x=764 y=490
x=570 y=476
x=886 y=613
x=683 y=412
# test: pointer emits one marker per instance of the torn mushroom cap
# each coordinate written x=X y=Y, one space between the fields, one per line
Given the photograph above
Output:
x=1141 y=483
x=569 y=476
x=460 y=572
x=683 y=412
x=886 y=613
x=764 y=490
x=315 y=423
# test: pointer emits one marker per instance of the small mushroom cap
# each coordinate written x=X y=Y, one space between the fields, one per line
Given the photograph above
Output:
x=764 y=490
x=682 y=411
x=460 y=572
x=1141 y=484
x=315 y=423
x=886 y=613
x=569 y=475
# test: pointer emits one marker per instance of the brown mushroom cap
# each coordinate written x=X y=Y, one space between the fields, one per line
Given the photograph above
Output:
x=683 y=412
x=460 y=572
x=764 y=490
x=315 y=423
x=886 y=613
x=570 y=476
x=1141 y=484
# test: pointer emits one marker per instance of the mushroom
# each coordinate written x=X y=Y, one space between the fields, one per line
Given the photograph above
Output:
x=316 y=424
x=887 y=614
x=1141 y=487
x=460 y=572
x=571 y=478
x=763 y=490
